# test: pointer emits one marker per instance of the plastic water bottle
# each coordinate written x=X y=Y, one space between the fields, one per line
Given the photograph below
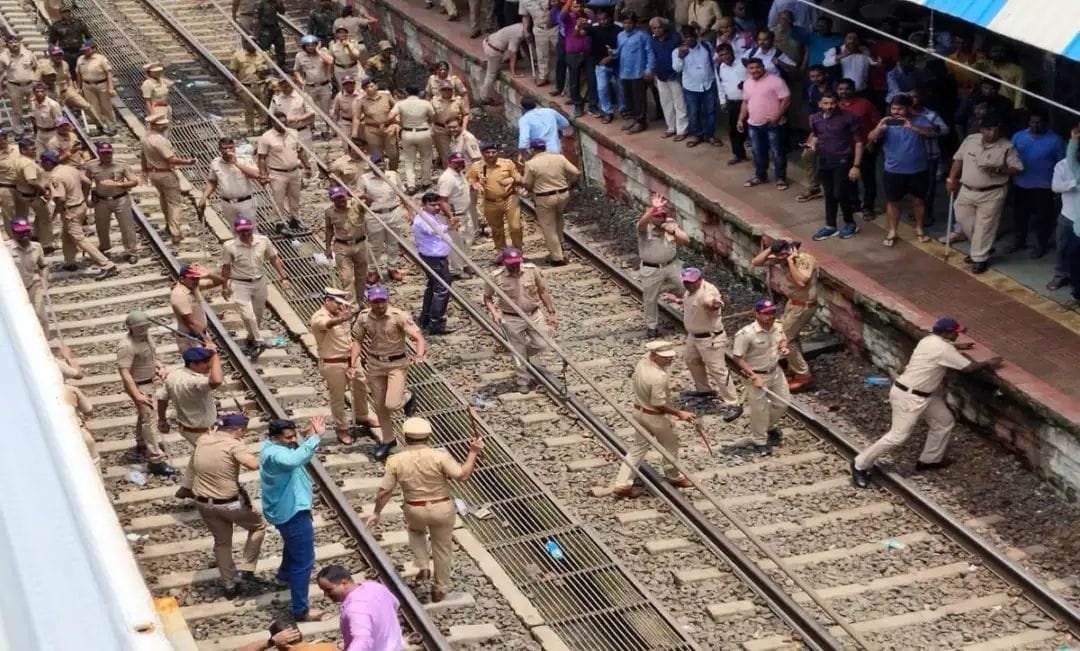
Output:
x=877 y=381
x=554 y=551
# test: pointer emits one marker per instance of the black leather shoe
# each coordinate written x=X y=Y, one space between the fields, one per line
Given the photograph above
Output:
x=233 y=592
x=731 y=412
x=382 y=451
x=776 y=437
x=936 y=465
x=763 y=449
x=245 y=576
x=1057 y=283
x=161 y=469
x=860 y=478
x=980 y=267
x=364 y=430
x=410 y=404
x=699 y=394
x=652 y=333
x=435 y=332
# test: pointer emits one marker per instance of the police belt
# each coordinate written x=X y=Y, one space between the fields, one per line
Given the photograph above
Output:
x=648 y=410
x=344 y=65
x=550 y=192
x=986 y=189
x=197 y=430
x=247 y=280
x=284 y=171
x=29 y=195
x=139 y=383
x=99 y=197
x=437 y=500
x=44 y=128
x=706 y=335
x=7 y=185
x=389 y=358
x=765 y=371
x=373 y=125
x=904 y=387
x=493 y=46
x=19 y=83
x=236 y=200
x=165 y=170
x=416 y=128
x=214 y=500
x=96 y=81
x=74 y=205
x=350 y=240
x=657 y=265
x=512 y=313
x=322 y=83
x=337 y=360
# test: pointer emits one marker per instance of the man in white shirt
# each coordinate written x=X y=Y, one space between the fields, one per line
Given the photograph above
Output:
x=853 y=58
x=732 y=74
x=1064 y=183
x=775 y=62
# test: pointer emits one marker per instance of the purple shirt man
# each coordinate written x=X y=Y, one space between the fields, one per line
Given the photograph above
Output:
x=369 y=620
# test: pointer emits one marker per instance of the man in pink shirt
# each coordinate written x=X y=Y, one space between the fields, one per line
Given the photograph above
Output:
x=369 y=620
x=764 y=110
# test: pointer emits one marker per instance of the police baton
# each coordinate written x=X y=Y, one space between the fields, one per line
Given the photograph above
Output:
x=53 y=321
x=704 y=439
x=948 y=228
x=175 y=331
x=532 y=59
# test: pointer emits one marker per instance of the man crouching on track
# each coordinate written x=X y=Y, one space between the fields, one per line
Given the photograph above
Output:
x=651 y=410
x=424 y=475
x=222 y=501
x=915 y=395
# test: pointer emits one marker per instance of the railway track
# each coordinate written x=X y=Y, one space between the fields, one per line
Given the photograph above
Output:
x=898 y=577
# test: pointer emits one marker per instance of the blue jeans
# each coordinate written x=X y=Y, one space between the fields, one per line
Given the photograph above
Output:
x=606 y=77
x=768 y=140
x=436 y=295
x=701 y=112
x=297 y=559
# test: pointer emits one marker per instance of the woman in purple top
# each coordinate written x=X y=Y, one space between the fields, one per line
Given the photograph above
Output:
x=577 y=45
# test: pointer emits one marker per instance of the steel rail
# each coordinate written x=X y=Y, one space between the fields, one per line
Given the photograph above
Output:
x=1051 y=603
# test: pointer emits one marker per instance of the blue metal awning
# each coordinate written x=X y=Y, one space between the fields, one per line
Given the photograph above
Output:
x=1051 y=25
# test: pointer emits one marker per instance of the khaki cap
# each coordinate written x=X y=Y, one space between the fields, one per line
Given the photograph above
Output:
x=336 y=294
x=386 y=45
x=416 y=428
x=158 y=119
x=153 y=67
x=661 y=348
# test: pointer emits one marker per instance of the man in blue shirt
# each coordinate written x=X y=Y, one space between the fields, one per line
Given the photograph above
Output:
x=430 y=234
x=286 y=500
x=663 y=42
x=1033 y=200
x=541 y=123
x=820 y=41
x=903 y=139
x=635 y=57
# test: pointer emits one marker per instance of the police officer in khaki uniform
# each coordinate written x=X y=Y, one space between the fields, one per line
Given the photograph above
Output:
x=424 y=475
x=83 y=408
x=313 y=68
x=347 y=53
x=448 y=106
x=379 y=345
x=979 y=178
x=385 y=213
x=68 y=188
x=235 y=180
x=109 y=197
x=159 y=162
x=652 y=406
x=223 y=503
x=496 y=180
x=280 y=159
x=330 y=326
x=455 y=201
x=706 y=342
x=349 y=166
x=245 y=64
x=658 y=238
x=243 y=259
x=191 y=391
x=464 y=142
x=9 y=160
x=137 y=363
x=55 y=73
x=67 y=143
x=757 y=350
x=298 y=115
x=414 y=116
x=44 y=111
x=800 y=276
x=916 y=395
x=32 y=193
x=383 y=67
x=549 y=176
x=341 y=110
x=155 y=90
x=346 y=238
x=186 y=301
x=538 y=28
x=30 y=261
x=524 y=284
x=497 y=47
x=94 y=73
x=371 y=121
x=441 y=74
x=18 y=72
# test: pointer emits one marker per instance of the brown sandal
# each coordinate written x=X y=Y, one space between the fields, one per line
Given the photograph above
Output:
x=695 y=142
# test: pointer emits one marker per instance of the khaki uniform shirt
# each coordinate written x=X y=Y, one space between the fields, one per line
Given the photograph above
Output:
x=98 y=172
x=498 y=180
x=67 y=144
x=46 y=112
x=293 y=106
x=78 y=401
x=548 y=171
x=383 y=70
x=66 y=182
x=385 y=335
x=415 y=113
x=455 y=188
x=342 y=106
x=246 y=261
x=187 y=302
x=29 y=261
x=432 y=87
x=373 y=111
x=758 y=347
x=704 y=15
x=349 y=223
x=216 y=465
x=312 y=67
x=156 y=91
x=805 y=263
x=697 y=317
x=650 y=384
x=20 y=68
x=656 y=246
x=9 y=165
x=932 y=357
x=348 y=169
x=93 y=70
x=157 y=150
x=446 y=110
x=138 y=357
x=538 y=10
x=353 y=23
x=246 y=66
x=422 y=471
x=348 y=54
x=231 y=182
x=27 y=171
x=63 y=74
x=468 y=146
x=191 y=396
x=331 y=342
x=977 y=156
x=382 y=193
x=282 y=150
x=507 y=39
x=524 y=289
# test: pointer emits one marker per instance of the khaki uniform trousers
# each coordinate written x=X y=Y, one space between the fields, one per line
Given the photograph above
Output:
x=320 y=95
x=351 y=262
x=188 y=479
x=336 y=383
x=36 y=294
x=907 y=409
x=387 y=383
x=230 y=210
x=72 y=237
x=41 y=138
x=381 y=243
x=765 y=409
x=502 y=214
x=440 y=137
x=73 y=99
x=43 y=227
x=545 y=41
x=416 y=147
x=168 y=189
x=653 y=281
x=252 y=112
x=661 y=429
x=549 y=216
x=104 y=209
x=437 y=522
x=285 y=190
x=795 y=318
x=250 y=298
x=383 y=143
x=479 y=15
x=145 y=431
x=708 y=367
x=451 y=8
x=493 y=61
x=9 y=198
x=977 y=213
x=524 y=340
x=19 y=96
x=462 y=238
x=100 y=103
x=220 y=520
